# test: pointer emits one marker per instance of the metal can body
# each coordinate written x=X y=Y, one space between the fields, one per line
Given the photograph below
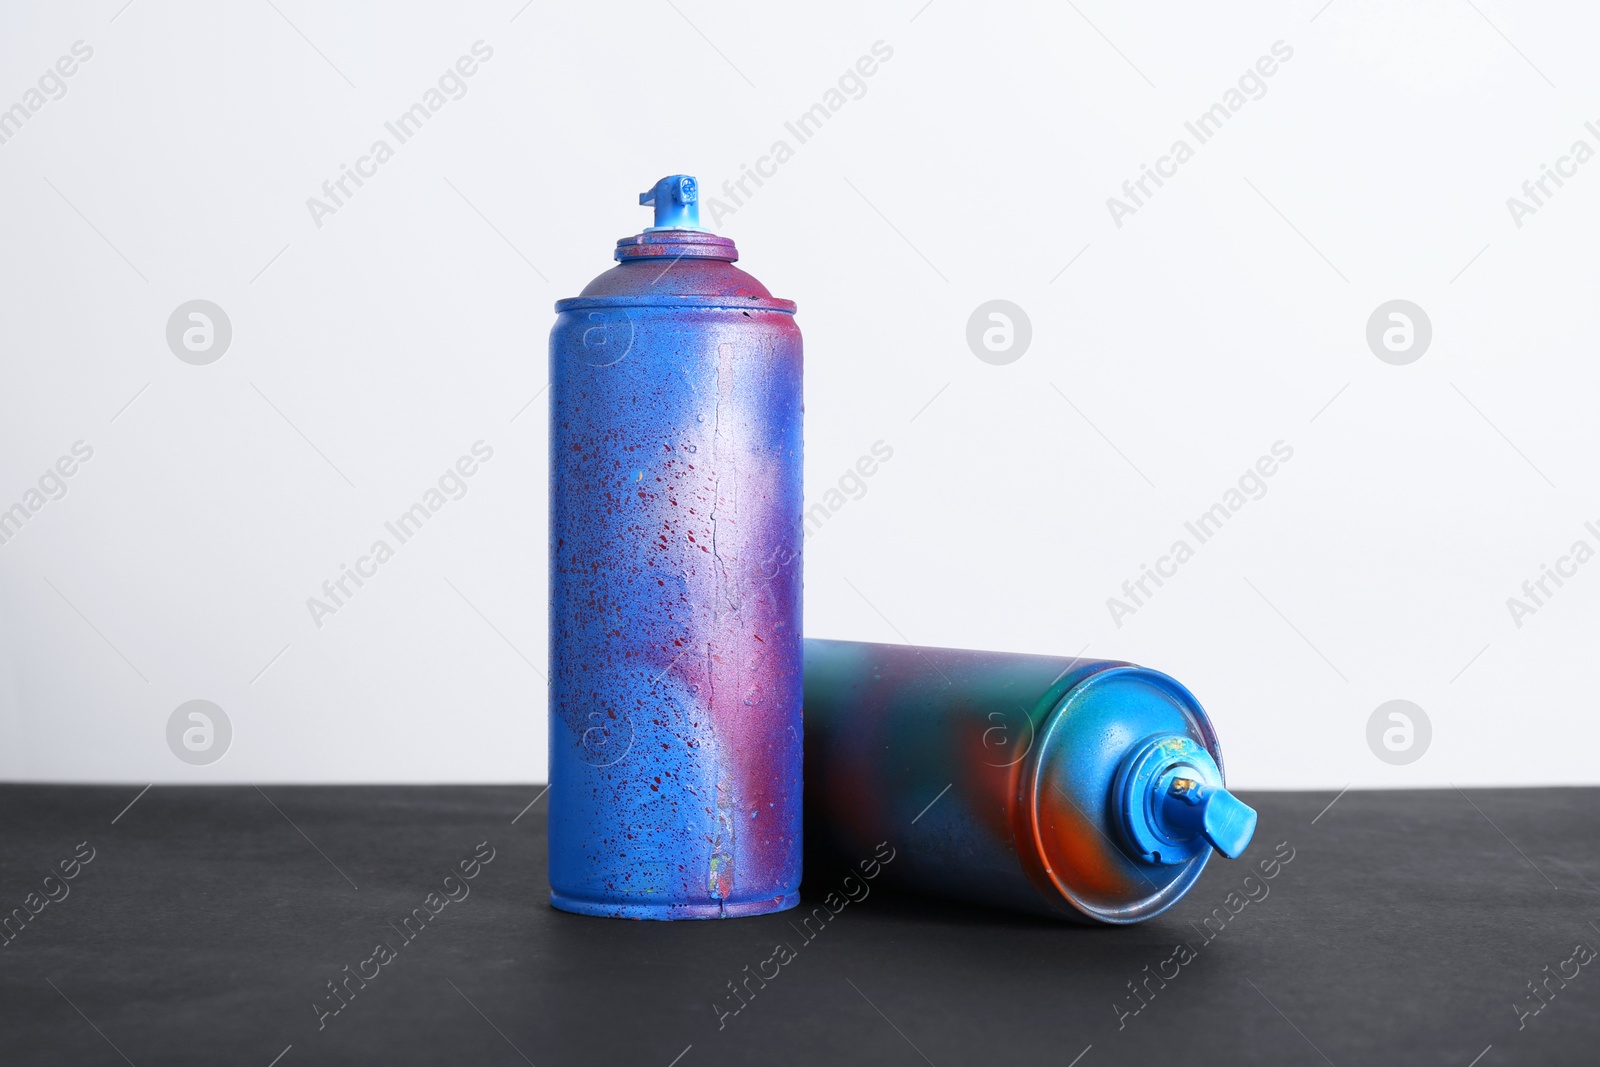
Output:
x=997 y=777
x=675 y=529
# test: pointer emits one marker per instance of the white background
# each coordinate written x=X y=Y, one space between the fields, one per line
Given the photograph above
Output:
x=1227 y=314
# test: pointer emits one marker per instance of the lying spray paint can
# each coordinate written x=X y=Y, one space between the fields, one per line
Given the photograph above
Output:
x=675 y=530
x=1086 y=789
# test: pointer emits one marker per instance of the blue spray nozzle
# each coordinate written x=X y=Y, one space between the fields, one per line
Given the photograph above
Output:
x=1226 y=822
x=1174 y=806
x=677 y=202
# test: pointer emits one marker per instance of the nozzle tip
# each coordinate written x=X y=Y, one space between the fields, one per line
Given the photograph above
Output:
x=676 y=199
x=1229 y=823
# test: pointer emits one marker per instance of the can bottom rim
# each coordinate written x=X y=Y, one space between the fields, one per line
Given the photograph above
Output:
x=611 y=909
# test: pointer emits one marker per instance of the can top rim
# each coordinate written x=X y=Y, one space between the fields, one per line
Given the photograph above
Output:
x=735 y=303
x=676 y=244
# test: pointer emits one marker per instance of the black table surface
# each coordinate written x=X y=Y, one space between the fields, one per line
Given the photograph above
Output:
x=1415 y=927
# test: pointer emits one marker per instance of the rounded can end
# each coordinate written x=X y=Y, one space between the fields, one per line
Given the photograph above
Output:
x=1093 y=763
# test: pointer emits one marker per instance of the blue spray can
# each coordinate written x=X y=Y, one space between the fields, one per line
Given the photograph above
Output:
x=1089 y=790
x=675 y=531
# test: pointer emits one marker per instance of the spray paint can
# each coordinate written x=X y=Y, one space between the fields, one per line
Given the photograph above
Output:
x=1091 y=790
x=675 y=531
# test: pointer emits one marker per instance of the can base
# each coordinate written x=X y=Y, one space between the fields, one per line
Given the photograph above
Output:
x=611 y=909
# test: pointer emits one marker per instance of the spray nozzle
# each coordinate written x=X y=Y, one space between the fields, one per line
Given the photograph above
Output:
x=677 y=202
x=1226 y=822
x=1173 y=805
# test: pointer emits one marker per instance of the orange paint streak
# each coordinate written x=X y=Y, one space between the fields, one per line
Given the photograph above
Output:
x=1096 y=867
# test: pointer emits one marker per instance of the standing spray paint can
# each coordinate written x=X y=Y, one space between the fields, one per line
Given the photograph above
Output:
x=675 y=530
x=1086 y=789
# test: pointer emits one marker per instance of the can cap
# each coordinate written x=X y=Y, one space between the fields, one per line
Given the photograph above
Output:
x=676 y=199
